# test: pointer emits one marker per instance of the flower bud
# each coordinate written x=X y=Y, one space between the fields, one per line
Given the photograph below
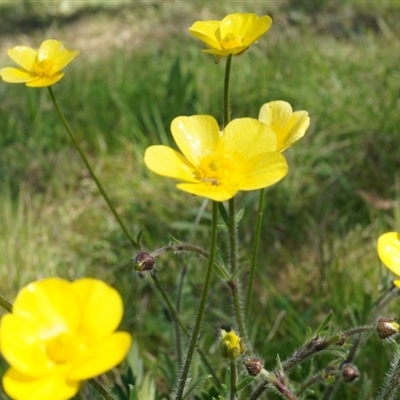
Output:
x=144 y=262
x=386 y=327
x=231 y=345
x=350 y=373
x=254 y=366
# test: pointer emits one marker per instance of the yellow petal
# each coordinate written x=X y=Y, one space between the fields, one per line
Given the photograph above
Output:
x=217 y=193
x=48 y=303
x=48 y=387
x=101 y=308
x=288 y=126
x=22 y=346
x=259 y=28
x=102 y=357
x=56 y=52
x=15 y=75
x=247 y=26
x=196 y=136
x=24 y=56
x=165 y=161
x=246 y=138
x=262 y=171
x=45 y=81
x=206 y=31
x=389 y=251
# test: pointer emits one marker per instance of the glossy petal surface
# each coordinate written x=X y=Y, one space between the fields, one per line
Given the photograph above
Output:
x=101 y=357
x=40 y=68
x=287 y=125
x=217 y=165
x=15 y=75
x=233 y=35
x=389 y=252
x=48 y=387
x=60 y=333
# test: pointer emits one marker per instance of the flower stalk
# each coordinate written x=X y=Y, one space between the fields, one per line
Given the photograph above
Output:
x=257 y=235
x=202 y=306
x=91 y=172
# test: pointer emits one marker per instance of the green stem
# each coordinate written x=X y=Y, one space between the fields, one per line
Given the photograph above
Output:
x=179 y=247
x=5 y=304
x=227 y=108
x=178 y=301
x=234 y=282
x=89 y=168
x=255 y=250
x=233 y=380
x=202 y=306
x=183 y=327
x=100 y=389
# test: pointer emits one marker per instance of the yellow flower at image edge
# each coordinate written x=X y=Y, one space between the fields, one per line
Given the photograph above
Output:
x=233 y=35
x=39 y=68
x=389 y=253
x=215 y=164
x=59 y=334
x=287 y=125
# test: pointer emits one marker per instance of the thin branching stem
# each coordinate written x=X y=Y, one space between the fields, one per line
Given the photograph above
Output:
x=90 y=169
x=181 y=247
x=202 y=306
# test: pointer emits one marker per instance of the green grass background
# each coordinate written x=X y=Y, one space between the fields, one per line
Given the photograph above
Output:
x=137 y=70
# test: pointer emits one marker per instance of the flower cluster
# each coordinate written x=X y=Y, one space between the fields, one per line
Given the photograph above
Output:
x=59 y=334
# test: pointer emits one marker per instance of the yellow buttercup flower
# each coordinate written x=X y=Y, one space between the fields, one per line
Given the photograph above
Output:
x=288 y=126
x=40 y=68
x=389 y=253
x=216 y=164
x=59 y=334
x=233 y=35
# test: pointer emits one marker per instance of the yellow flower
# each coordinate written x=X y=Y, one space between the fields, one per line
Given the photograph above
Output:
x=233 y=35
x=389 y=252
x=40 y=68
x=58 y=334
x=216 y=164
x=231 y=345
x=288 y=126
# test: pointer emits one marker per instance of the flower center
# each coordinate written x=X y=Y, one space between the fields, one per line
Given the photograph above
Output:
x=43 y=67
x=230 y=42
x=61 y=348
x=214 y=169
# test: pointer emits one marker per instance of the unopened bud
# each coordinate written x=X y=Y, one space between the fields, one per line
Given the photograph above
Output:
x=254 y=366
x=350 y=373
x=144 y=262
x=386 y=327
x=231 y=345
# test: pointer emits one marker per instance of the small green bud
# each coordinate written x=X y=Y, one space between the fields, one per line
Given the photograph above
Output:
x=231 y=345
x=386 y=327
x=144 y=262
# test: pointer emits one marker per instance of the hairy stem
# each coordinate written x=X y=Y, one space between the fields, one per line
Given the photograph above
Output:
x=91 y=172
x=202 y=306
